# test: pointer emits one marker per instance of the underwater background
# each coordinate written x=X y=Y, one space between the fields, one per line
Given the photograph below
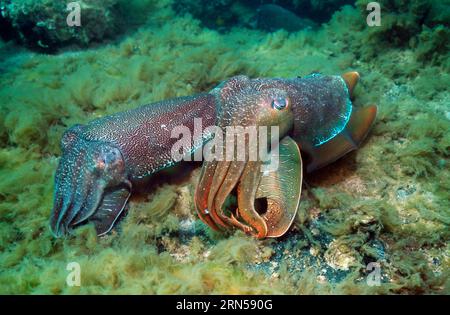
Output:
x=388 y=202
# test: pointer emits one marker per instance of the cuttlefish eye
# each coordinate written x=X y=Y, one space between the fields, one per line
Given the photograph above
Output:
x=280 y=103
x=107 y=159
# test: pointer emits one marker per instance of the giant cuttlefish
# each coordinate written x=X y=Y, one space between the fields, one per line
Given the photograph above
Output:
x=106 y=159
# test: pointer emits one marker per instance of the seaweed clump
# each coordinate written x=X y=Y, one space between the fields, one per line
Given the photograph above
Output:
x=42 y=25
x=406 y=23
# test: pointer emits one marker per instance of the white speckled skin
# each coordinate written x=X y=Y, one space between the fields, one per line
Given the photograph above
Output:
x=143 y=134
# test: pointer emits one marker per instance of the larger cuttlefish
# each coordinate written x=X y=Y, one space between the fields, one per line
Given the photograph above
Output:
x=104 y=160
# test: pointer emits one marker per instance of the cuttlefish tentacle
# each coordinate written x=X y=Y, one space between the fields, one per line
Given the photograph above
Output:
x=246 y=192
x=280 y=188
x=233 y=175
x=219 y=176
x=202 y=191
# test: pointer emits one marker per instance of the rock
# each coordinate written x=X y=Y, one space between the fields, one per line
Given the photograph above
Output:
x=339 y=255
x=42 y=24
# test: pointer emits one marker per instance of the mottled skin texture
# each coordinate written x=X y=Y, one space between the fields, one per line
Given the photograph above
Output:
x=106 y=159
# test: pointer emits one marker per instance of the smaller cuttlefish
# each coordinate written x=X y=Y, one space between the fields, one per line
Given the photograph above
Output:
x=272 y=17
x=104 y=161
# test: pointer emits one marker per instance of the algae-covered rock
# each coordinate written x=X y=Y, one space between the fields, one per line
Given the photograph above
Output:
x=434 y=44
x=402 y=20
x=340 y=256
x=42 y=24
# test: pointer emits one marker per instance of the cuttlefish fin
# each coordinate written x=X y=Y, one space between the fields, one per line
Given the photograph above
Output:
x=349 y=139
x=279 y=189
x=351 y=79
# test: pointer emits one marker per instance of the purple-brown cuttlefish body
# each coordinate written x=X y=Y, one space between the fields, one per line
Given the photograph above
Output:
x=106 y=159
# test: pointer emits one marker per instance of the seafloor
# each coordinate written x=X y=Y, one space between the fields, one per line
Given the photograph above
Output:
x=387 y=203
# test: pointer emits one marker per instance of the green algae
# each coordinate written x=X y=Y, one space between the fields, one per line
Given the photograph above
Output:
x=387 y=202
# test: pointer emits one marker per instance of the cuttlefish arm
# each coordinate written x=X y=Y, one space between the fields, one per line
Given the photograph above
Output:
x=269 y=193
